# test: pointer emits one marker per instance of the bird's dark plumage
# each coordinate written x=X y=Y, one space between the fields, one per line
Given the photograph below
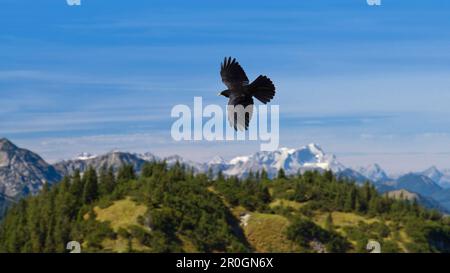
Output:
x=233 y=76
x=241 y=93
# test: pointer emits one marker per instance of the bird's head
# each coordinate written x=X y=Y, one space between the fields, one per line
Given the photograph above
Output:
x=225 y=93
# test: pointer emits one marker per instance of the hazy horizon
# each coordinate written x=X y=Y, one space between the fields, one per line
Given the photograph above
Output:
x=352 y=160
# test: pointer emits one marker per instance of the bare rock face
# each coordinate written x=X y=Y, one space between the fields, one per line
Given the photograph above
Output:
x=22 y=172
x=113 y=160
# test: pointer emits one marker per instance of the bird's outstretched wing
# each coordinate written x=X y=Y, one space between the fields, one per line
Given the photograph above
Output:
x=240 y=111
x=233 y=76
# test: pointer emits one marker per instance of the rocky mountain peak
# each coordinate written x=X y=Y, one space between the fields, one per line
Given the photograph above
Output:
x=6 y=145
x=374 y=172
x=23 y=172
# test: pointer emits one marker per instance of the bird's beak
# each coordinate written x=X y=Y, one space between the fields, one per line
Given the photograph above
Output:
x=218 y=94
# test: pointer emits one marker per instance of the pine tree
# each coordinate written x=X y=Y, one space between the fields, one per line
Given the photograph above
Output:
x=210 y=173
x=250 y=176
x=107 y=181
x=90 y=191
x=367 y=188
x=350 y=201
x=264 y=175
x=47 y=218
x=33 y=221
x=329 y=176
x=65 y=210
x=126 y=173
x=77 y=187
x=147 y=170
x=220 y=176
x=281 y=174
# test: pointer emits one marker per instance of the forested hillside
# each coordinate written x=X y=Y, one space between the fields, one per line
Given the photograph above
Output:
x=173 y=210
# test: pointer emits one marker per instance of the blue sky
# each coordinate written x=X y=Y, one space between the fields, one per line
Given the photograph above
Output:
x=370 y=84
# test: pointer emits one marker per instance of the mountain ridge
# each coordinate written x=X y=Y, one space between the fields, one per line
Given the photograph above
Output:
x=293 y=161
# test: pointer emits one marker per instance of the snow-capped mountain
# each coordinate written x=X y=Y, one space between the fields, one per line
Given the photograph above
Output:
x=292 y=161
x=444 y=182
x=351 y=174
x=112 y=160
x=433 y=173
x=148 y=157
x=217 y=160
x=310 y=157
x=85 y=156
x=374 y=173
x=442 y=178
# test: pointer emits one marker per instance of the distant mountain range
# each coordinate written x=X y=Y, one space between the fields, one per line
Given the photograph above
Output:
x=113 y=159
x=441 y=177
x=23 y=172
x=374 y=173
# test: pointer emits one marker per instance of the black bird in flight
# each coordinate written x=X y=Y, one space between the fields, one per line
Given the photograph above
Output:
x=241 y=93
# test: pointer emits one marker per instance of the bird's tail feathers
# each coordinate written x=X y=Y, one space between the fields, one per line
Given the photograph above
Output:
x=263 y=89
